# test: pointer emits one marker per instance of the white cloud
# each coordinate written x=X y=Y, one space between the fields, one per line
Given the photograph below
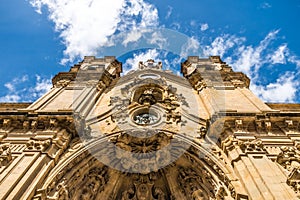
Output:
x=85 y=26
x=192 y=47
x=222 y=44
x=23 y=89
x=279 y=56
x=158 y=39
x=265 y=5
x=175 y=26
x=204 y=27
x=193 y=23
x=250 y=59
x=295 y=60
x=11 y=85
x=283 y=90
x=42 y=86
x=132 y=36
x=10 y=98
x=170 y=9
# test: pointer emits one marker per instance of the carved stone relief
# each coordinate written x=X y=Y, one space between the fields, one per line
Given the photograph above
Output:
x=5 y=155
x=38 y=144
x=83 y=182
x=144 y=187
x=37 y=123
x=146 y=96
x=289 y=157
x=140 y=154
x=294 y=179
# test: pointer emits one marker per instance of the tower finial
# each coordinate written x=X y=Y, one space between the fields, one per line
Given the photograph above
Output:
x=150 y=64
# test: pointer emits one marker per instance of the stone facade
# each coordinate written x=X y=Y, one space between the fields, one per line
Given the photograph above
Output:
x=149 y=135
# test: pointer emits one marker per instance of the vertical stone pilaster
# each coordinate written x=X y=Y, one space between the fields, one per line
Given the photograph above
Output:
x=261 y=177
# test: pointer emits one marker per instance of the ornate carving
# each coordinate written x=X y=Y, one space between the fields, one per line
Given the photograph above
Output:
x=294 y=179
x=147 y=97
x=230 y=143
x=61 y=140
x=289 y=157
x=120 y=117
x=263 y=125
x=144 y=188
x=150 y=64
x=26 y=125
x=141 y=154
x=289 y=123
x=201 y=182
x=53 y=123
x=82 y=185
x=94 y=183
x=200 y=85
x=7 y=123
x=118 y=102
x=252 y=146
x=62 y=190
x=82 y=129
x=172 y=106
x=38 y=144
x=202 y=132
x=34 y=125
x=239 y=124
x=5 y=154
x=100 y=86
x=139 y=82
x=268 y=125
x=191 y=184
x=62 y=83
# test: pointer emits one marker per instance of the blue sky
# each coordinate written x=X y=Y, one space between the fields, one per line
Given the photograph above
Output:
x=40 y=38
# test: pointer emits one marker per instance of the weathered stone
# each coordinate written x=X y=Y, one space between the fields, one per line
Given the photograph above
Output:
x=150 y=135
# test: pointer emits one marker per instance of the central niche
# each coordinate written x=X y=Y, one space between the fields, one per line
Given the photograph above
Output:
x=148 y=95
x=145 y=116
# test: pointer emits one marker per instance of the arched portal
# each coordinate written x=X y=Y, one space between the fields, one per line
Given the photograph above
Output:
x=196 y=174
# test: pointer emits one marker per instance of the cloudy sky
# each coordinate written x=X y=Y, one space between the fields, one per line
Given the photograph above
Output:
x=40 y=38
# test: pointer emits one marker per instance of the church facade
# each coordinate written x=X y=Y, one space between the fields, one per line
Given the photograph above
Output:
x=150 y=135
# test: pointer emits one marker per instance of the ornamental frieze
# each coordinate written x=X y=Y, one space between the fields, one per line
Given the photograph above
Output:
x=39 y=123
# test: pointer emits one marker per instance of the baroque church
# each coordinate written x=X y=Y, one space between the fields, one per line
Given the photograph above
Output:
x=150 y=135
